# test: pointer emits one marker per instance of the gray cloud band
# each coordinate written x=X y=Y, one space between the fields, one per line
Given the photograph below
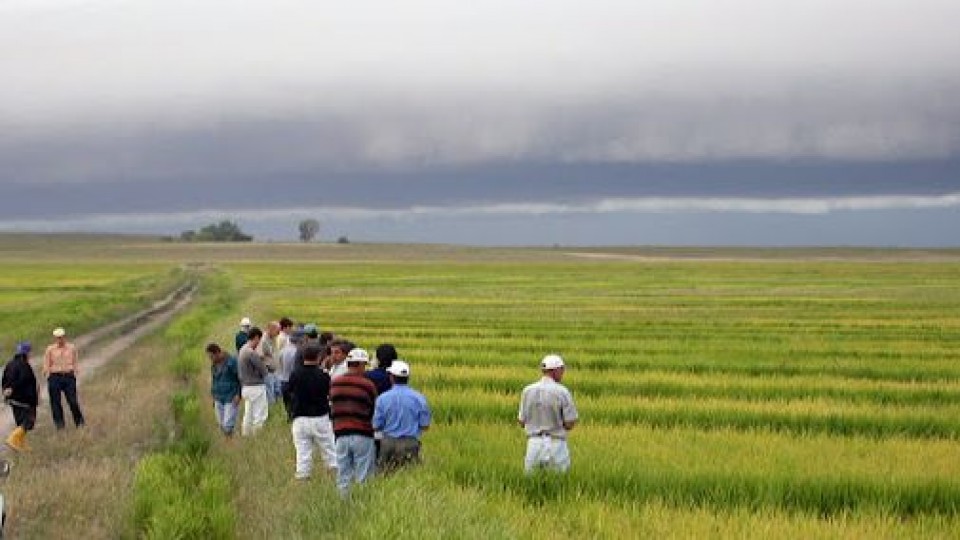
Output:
x=799 y=206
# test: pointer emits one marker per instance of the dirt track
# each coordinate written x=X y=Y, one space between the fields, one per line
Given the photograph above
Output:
x=104 y=344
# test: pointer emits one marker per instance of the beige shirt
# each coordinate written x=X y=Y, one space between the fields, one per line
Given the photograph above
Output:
x=544 y=407
x=59 y=359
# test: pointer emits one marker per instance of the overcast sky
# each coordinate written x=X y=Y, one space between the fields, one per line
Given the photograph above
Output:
x=773 y=122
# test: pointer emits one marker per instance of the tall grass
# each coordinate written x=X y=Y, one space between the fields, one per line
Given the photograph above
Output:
x=180 y=492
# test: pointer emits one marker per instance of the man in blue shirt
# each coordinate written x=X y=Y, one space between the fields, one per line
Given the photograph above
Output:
x=402 y=414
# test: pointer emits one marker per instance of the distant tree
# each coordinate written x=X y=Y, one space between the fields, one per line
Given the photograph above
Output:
x=343 y=240
x=225 y=231
x=309 y=228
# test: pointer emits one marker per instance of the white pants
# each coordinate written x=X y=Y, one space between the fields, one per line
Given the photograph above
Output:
x=310 y=431
x=547 y=453
x=255 y=409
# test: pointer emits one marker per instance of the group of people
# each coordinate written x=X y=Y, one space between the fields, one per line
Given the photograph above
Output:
x=359 y=412
x=21 y=390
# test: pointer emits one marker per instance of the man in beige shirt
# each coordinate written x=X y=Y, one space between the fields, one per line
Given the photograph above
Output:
x=60 y=369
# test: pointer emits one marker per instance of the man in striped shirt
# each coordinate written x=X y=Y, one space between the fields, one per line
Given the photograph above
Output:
x=353 y=397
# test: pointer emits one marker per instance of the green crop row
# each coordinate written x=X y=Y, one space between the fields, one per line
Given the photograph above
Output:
x=180 y=492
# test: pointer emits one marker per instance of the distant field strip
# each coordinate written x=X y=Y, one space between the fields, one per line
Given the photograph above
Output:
x=813 y=388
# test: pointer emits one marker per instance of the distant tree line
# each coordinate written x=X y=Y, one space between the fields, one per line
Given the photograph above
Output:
x=225 y=231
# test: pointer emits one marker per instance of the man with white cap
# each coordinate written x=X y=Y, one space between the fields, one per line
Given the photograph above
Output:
x=352 y=399
x=402 y=414
x=547 y=414
x=243 y=333
x=60 y=368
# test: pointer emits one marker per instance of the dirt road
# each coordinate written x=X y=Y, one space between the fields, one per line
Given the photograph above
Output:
x=107 y=342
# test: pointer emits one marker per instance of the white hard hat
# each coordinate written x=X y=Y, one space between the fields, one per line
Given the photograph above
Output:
x=59 y=332
x=358 y=355
x=399 y=368
x=551 y=361
x=246 y=322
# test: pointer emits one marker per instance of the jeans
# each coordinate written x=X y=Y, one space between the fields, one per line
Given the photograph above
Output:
x=272 y=384
x=356 y=458
x=226 y=416
x=255 y=409
x=66 y=384
x=309 y=432
x=545 y=452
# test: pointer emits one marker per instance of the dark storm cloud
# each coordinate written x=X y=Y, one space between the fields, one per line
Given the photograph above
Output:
x=190 y=110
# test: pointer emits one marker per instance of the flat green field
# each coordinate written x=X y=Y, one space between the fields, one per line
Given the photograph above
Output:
x=717 y=397
x=723 y=393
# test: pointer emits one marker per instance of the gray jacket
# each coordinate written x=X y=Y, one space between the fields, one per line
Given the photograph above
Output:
x=251 y=367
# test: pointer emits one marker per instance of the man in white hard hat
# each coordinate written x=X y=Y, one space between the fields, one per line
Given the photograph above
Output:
x=242 y=335
x=547 y=414
x=402 y=415
x=60 y=368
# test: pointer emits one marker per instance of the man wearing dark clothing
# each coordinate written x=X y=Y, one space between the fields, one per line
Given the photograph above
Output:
x=243 y=334
x=309 y=388
x=20 y=392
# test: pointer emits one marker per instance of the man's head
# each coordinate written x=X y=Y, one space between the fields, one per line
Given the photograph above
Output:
x=339 y=351
x=386 y=354
x=273 y=329
x=311 y=354
x=552 y=366
x=60 y=336
x=215 y=353
x=286 y=325
x=357 y=361
x=245 y=324
x=326 y=338
x=24 y=348
x=399 y=372
x=311 y=331
x=254 y=335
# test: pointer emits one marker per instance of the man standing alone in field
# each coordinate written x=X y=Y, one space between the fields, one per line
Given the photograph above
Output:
x=60 y=368
x=402 y=415
x=547 y=414
x=353 y=397
x=224 y=387
x=252 y=374
x=310 y=398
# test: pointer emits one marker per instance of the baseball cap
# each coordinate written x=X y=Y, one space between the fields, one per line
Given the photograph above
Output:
x=311 y=330
x=246 y=322
x=24 y=347
x=551 y=361
x=399 y=368
x=358 y=355
x=59 y=332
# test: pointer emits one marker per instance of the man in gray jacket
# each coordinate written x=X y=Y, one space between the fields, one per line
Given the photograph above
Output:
x=254 y=391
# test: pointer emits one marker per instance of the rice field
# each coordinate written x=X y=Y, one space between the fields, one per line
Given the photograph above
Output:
x=719 y=398
x=37 y=297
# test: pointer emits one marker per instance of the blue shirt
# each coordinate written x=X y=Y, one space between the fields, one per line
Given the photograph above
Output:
x=224 y=380
x=401 y=412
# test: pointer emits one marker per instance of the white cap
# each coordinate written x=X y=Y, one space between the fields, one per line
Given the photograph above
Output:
x=246 y=322
x=399 y=368
x=551 y=361
x=59 y=332
x=358 y=355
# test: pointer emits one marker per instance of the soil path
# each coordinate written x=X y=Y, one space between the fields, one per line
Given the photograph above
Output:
x=106 y=343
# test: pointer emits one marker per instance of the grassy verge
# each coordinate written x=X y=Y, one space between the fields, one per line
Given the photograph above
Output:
x=179 y=492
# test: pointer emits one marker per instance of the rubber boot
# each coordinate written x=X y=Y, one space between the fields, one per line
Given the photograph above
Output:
x=15 y=440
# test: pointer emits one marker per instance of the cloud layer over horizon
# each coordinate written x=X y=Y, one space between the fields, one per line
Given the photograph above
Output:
x=117 y=108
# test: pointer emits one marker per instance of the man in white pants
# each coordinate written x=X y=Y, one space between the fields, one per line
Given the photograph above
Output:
x=547 y=414
x=309 y=388
x=252 y=372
